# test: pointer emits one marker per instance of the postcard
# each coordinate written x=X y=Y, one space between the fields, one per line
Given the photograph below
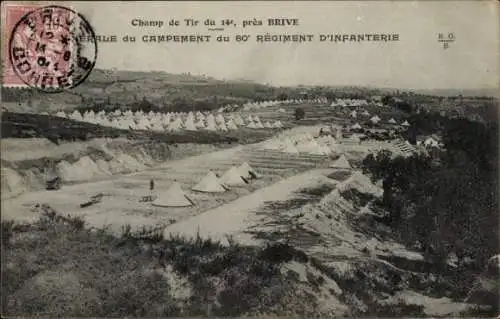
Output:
x=271 y=159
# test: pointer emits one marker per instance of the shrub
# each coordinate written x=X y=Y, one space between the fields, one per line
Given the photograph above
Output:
x=299 y=113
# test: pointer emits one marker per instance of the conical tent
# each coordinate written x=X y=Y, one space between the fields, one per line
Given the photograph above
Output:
x=341 y=162
x=238 y=120
x=231 y=126
x=375 y=119
x=76 y=116
x=61 y=114
x=210 y=118
x=211 y=126
x=267 y=125
x=232 y=177
x=189 y=124
x=405 y=123
x=392 y=121
x=247 y=171
x=258 y=124
x=176 y=125
x=219 y=119
x=209 y=184
x=173 y=197
x=200 y=124
x=222 y=127
x=356 y=126
x=251 y=124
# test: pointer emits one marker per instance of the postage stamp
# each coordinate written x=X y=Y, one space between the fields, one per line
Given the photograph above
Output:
x=51 y=48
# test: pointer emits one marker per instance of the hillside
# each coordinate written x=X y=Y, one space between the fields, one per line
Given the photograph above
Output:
x=111 y=88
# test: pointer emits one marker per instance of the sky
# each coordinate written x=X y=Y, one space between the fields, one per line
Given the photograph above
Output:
x=416 y=61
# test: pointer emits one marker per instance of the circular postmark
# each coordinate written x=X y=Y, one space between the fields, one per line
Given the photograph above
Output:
x=53 y=49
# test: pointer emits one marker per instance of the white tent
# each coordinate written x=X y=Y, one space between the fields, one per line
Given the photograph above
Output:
x=219 y=119
x=405 y=123
x=211 y=126
x=392 y=121
x=247 y=171
x=189 y=124
x=210 y=118
x=365 y=113
x=356 y=126
x=62 y=114
x=165 y=119
x=176 y=125
x=232 y=177
x=251 y=124
x=157 y=127
x=209 y=184
x=375 y=119
x=238 y=120
x=173 y=197
x=278 y=124
x=222 y=127
x=143 y=124
x=104 y=122
x=231 y=126
x=199 y=124
x=341 y=162
x=76 y=116
x=258 y=124
x=268 y=125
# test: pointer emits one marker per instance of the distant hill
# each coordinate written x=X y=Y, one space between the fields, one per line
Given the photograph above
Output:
x=463 y=92
x=121 y=88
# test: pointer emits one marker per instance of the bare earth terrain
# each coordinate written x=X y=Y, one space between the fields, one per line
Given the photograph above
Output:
x=304 y=238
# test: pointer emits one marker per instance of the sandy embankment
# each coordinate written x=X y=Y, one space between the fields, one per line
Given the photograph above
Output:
x=27 y=163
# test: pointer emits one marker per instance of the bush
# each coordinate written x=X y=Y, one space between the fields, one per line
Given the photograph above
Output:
x=299 y=113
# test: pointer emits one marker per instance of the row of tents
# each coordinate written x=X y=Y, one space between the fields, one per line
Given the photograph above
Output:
x=240 y=176
x=210 y=183
x=376 y=119
x=172 y=121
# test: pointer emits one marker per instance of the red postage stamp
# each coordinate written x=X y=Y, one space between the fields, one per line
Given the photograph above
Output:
x=11 y=14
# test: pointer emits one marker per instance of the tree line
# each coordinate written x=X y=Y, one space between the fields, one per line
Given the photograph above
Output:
x=446 y=203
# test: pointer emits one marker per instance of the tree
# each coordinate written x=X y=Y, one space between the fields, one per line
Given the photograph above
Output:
x=282 y=96
x=299 y=113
